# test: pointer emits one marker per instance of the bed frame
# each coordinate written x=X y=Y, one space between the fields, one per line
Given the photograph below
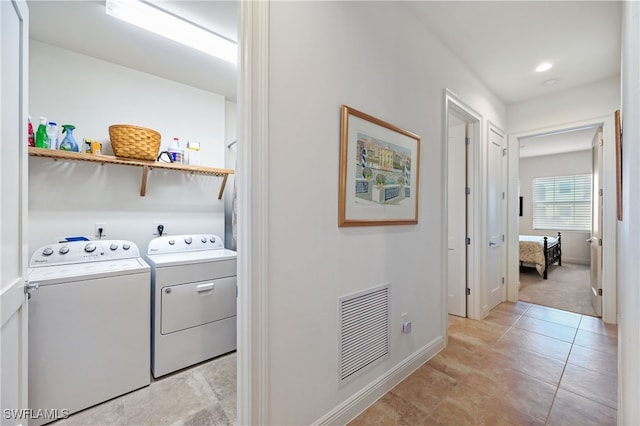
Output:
x=552 y=254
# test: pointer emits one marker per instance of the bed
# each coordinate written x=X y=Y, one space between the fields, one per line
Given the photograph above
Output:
x=540 y=252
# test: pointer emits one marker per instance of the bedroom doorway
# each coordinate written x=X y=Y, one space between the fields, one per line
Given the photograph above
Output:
x=558 y=185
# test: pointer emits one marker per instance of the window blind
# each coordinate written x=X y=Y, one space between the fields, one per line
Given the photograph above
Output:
x=562 y=203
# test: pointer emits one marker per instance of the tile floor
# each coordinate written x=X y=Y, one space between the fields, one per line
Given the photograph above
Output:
x=201 y=395
x=523 y=365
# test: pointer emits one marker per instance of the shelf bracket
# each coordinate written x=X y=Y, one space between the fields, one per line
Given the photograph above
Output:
x=143 y=184
x=224 y=182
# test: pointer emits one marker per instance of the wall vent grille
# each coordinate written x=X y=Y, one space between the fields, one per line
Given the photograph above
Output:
x=364 y=330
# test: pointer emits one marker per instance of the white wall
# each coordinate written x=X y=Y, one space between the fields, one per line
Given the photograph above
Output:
x=582 y=103
x=68 y=198
x=574 y=247
x=629 y=228
x=376 y=58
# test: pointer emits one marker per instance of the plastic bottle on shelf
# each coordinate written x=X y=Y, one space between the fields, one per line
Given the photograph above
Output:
x=42 y=140
x=176 y=152
x=30 y=135
x=52 y=133
x=193 y=153
x=68 y=142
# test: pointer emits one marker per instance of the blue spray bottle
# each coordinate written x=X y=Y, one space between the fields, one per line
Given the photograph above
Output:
x=68 y=143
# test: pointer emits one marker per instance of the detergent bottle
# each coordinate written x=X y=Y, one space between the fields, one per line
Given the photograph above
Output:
x=69 y=142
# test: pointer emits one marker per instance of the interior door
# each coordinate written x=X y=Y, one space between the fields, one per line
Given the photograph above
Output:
x=596 y=224
x=14 y=38
x=457 y=217
x=496 y=218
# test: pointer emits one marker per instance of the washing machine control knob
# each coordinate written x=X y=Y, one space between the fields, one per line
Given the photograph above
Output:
x=188 y=240
x=90 y=248
x=212 y=239
x=63 y=250
x=126 y=246
x=203 y=239
x=47 y=252
x=172 y=242
x=113 y=247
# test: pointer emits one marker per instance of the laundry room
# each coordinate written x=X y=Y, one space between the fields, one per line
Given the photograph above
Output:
x=164 y=224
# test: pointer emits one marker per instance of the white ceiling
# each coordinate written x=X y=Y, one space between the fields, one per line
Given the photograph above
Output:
x=558 y=142
x=501 y=41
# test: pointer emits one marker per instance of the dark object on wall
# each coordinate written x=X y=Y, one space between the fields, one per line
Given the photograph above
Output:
x=520 y=214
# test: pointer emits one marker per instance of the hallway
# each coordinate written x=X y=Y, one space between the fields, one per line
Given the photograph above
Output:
x=523 y=365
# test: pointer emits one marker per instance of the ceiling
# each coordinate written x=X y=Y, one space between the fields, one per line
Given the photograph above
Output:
x=501 y=41
x=557 y=142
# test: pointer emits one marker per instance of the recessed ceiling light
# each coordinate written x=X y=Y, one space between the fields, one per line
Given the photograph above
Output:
x=550 y=82
x=545 y=66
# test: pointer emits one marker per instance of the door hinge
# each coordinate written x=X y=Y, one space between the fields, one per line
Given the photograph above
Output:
x=29 y=287
x=467 y=241
x=503 y=238
x=467 y=141
x=468 y=291
x=599 y=241
x=467 y=190
x=502 y=280
x=601 y=142
x=600 y=192
x=504 y=152
x=599 y=292
x=503 y=195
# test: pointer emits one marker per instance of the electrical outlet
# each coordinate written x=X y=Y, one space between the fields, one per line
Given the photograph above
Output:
x=157 y=225
x=98 y=227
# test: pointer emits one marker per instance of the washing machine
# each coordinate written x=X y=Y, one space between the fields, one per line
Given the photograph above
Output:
x=88 y=324
x=193 y=300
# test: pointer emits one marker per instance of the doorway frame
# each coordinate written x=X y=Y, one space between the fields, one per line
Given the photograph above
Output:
x=453 y=104
x=609 y=213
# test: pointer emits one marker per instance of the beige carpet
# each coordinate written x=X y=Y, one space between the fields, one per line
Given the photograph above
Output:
x=566 y=288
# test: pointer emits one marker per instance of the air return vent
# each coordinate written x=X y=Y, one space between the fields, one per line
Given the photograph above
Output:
x=364 y=330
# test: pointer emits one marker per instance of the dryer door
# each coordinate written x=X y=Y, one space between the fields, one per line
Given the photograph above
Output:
x=190 y=305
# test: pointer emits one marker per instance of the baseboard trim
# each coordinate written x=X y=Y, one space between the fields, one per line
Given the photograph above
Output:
x=361 y=400
x=576 y=260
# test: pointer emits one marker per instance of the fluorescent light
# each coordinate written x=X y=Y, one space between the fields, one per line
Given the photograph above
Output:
x=545 y=66
x=158 y=21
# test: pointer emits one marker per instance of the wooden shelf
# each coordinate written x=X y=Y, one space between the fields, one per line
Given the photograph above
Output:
x=145 y=165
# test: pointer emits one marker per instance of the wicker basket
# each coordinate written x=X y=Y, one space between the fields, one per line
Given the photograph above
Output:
x=135 y=142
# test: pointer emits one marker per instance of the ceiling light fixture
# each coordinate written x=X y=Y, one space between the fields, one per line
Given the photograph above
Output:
x=545 y=66
x=550 y=82
x=159 y=21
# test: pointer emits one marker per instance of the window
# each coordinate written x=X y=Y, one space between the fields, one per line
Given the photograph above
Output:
x=562 y=203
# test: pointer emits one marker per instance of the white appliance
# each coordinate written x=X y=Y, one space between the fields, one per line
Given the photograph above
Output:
x=89 y=324
x=193 y=300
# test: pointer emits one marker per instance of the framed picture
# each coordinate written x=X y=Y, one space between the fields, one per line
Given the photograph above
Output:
x=618 y=131
x=379 y=172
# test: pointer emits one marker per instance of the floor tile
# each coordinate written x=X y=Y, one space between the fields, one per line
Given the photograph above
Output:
x=546 y=328
x=596 y=325
x=571 y=409
x=557 y=316
x=111 y=413
x=533 y=364
x=425 y=388
x=467 y=406
x=517 y=307
x=525 y=393
x=477 y=332
x=502 y=317
x=598 y=387
x=603 y=362
x=393 y=410
x=597 y=341
x=534 y=342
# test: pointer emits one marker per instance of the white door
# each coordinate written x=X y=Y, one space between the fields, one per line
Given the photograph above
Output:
x=457 y=217
x=496 y=217
x=14 y=38
x=596 y=224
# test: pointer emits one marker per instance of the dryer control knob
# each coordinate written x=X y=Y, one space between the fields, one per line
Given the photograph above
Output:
x=47 y=252
x=203 y=239
x=90 y=248
x=126 y=246
x=172 y=242
x=188 y=240
x=113 y=247
x=212 y=239
x=63 y=250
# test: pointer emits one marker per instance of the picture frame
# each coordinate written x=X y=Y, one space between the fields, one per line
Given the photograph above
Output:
x=379 y=172
x=618 y=132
